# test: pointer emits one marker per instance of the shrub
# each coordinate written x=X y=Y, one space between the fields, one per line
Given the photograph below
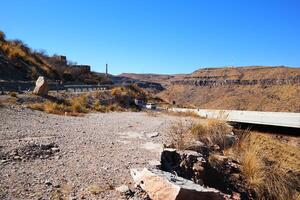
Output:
x=36 y=106
x=79 y=104
x=179 y=135
x=2 y=36
x=210 y=133
x=98 y=107
x=13 y=94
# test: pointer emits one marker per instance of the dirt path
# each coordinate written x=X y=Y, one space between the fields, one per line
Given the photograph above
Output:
x=80 y=156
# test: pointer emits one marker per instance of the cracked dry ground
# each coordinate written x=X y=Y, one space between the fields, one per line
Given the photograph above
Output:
x=45 y=156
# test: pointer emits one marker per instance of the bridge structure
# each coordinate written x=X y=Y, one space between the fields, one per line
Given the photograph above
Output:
x=281 y=119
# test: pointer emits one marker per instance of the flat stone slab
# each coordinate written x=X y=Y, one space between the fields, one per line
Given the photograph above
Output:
x=161 y=185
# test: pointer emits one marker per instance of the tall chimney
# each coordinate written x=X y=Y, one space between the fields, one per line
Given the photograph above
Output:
x=106 y=69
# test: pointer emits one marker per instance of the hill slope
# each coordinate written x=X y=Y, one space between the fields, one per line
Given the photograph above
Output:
x=257 y=88
x=19 y=62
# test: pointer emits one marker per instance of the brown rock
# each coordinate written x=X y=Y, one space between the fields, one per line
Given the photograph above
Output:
x=41 y=87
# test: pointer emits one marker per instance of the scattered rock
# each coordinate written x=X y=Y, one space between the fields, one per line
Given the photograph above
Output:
x=31 y=151
x=123 y=189
x=161 y=185
x=48 y=183
x=152 y=135
x=55 y=149
x=41 y=86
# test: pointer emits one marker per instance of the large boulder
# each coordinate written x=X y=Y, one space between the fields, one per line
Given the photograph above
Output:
x=185 y=163
x=161 y=185
x=41 y=87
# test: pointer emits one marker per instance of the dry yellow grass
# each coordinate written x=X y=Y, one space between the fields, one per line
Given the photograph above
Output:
x=178 y=133
x=271 y=168
x=209 y=131
x=95 y=189
x=74 y=107
x=13 y=94
x=61 y=193
x=79 y=104
x=51 y=107
x=212 y=132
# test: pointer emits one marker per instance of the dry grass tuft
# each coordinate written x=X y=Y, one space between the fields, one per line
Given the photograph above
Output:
x=114 y=108
x=13 y=94
x=51 y=107
x=95 y=190
x=178 y=134
x=211 y=133
x=79 y=104
x=61 y=193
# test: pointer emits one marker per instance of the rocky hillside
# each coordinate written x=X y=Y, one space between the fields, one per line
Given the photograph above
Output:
x=259 y=88
x=18 y=62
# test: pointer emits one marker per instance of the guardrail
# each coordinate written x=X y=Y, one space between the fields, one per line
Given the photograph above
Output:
x=284 y=119
x=21 y=86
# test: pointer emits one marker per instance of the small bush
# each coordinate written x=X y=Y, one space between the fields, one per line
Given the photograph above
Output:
x=36 y=106
x=98 y=107
x=2 y=36
x=210 y=133
x=79 y=104
x=95 y=190
x=114 y=107
x=13 y=94
x=179 y=135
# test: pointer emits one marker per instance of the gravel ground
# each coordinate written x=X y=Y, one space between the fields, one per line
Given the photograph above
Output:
x=45 y=156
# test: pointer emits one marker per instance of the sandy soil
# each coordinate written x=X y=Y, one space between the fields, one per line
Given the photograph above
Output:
x=91 y=155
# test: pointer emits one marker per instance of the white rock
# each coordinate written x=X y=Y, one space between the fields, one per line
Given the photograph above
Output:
x=122 y=189
x=41 y=86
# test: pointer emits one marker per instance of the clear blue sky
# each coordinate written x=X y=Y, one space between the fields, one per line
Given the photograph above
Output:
x=159 y=36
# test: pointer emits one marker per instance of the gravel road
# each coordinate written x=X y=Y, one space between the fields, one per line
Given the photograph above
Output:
x=45 y=156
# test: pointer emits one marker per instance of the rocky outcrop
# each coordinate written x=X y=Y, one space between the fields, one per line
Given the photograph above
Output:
x=212 y=82
x=217 y=171
x=41 y=87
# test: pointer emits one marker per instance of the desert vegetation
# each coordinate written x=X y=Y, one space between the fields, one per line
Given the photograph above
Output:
x=269 y=168
x=117 y=99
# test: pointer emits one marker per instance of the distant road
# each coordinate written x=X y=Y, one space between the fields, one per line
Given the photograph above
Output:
x=283 y=119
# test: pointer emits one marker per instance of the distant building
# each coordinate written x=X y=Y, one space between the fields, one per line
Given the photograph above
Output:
x=85 y=68
x=60 y=59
